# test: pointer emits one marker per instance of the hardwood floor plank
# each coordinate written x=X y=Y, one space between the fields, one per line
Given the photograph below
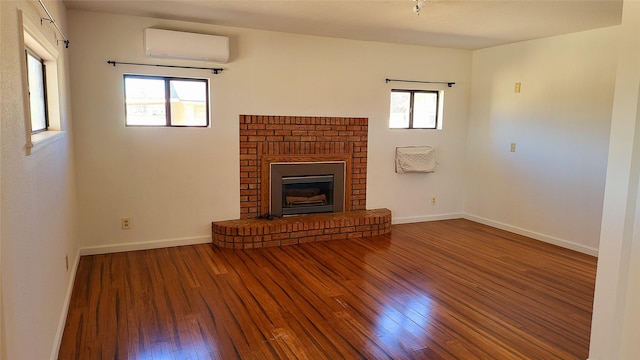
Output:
x=450 y=289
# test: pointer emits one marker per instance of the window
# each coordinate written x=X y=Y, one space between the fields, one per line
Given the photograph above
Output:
x=37 y=92
x=43 y=120
x=415 y=109
x=166 y=101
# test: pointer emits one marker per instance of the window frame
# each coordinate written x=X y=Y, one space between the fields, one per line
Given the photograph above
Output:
x=167 y=97
x=29 y=52
x=31 y=38
x=437 y=124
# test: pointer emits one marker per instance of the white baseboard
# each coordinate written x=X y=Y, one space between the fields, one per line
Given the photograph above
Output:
x=415 y=219
x=534 y=235
x=145 y=245
x=65 y=308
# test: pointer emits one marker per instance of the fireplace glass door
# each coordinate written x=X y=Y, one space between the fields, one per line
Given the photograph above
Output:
x=306 y=188
x=307 y=194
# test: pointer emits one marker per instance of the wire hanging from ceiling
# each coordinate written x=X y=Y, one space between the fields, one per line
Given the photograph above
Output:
x=51 y=20
x=418 y=6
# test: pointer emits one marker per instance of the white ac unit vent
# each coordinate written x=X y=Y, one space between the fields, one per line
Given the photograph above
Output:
x=184 y=45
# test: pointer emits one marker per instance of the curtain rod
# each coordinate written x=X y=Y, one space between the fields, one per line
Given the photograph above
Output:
x=213 y=70
x=52 y=21
x=448 y=83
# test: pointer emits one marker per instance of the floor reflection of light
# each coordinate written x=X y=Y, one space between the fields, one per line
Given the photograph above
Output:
x=386 y=323
x=419 y=310
x=406 y=314
x=145 y=356
x=164 y=351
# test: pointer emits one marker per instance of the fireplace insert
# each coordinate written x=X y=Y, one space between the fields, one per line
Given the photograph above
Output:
x=307 y=194
x=306 y=188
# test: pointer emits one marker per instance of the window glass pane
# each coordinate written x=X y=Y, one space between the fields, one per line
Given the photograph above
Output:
x=425 y=109
x=400 y=106
x=35 y=73
x=188 y=103
x=145 y=101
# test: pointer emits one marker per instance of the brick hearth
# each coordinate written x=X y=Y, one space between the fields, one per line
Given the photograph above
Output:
x=268 y=139
x=257 y=233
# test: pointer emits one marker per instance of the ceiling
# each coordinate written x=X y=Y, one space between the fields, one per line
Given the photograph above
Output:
x=472 y=24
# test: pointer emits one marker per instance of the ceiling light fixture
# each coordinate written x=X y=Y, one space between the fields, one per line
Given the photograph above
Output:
x=418 y=6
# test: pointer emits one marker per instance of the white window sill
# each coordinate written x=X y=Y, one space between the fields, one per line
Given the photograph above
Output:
x=42 y=139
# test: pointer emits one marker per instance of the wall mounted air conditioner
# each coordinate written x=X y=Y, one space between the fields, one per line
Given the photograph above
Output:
x=184 y=45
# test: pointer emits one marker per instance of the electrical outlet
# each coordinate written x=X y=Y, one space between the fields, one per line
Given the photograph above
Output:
x=517 y=88
x=126 y=223
x=433 y=200
x=512 y=148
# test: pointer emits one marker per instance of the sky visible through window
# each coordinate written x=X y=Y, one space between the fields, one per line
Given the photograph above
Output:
x=37 y=100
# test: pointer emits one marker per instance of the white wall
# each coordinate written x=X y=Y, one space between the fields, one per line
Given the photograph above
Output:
x=552 y=186
x=3 y=343
x=616 y=318
x=174 y=182
x=38 y=204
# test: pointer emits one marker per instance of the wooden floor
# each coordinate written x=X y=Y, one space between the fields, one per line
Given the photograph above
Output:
x=438 y=290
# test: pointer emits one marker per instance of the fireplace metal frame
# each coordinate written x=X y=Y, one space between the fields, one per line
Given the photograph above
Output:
x=264 y=190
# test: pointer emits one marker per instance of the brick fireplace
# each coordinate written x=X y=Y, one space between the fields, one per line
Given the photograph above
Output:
x=266 y=140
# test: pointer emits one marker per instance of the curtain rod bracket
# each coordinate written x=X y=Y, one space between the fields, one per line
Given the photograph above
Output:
x=55 y=24
x=448 y=83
